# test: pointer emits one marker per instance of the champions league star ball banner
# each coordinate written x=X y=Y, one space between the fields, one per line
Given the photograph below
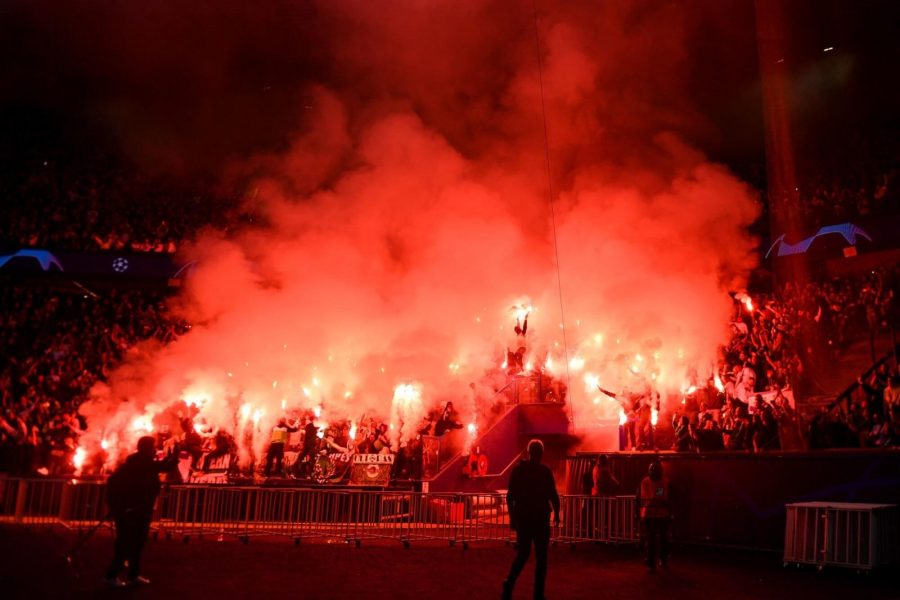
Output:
x=153 y=265
x=371 y=469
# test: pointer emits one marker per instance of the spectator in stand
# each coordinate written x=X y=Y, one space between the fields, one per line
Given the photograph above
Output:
x=683 y=439
x=880 y=433
x=367 y=445
x=892 y=394
x=13 y=436
x=709 y=437
x=58 y=345
x=191 y=440
x=94 y=202
x=894 y=428
x=746 y=384
x=737 y=429
x=222 y=446
x=764 y=427
x=304 y=468
x=447 y=421
x=855 y=182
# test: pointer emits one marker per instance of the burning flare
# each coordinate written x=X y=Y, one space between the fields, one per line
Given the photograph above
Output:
x=718 y=383
x=143 y=423
x=78 y=458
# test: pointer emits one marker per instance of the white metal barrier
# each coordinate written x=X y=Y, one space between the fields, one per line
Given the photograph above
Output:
x=607 y=519
x=351 y=516
x=82 y=503
x=31 y=501
x=861 y=536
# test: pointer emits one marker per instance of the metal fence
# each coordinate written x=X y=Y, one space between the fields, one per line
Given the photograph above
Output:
x=351 y=516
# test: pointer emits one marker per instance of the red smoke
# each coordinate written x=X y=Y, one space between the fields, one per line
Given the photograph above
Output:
x=409 y=214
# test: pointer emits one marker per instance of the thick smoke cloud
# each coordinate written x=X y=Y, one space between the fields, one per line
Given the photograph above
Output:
x=409 y=213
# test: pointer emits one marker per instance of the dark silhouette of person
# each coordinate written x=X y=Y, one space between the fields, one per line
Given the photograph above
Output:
x=131 y=492
x=605 y=483
x=222 y=447
x=588 y=507
x=367 y=445
x=531 y=497
x=447 y=421
x=191 y=442
x=597 y=481
x=653 y=500
x=521 y=330
x=310 y=447
x=587 y=481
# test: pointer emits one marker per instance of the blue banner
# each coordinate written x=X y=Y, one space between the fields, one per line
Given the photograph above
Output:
x=38 y=261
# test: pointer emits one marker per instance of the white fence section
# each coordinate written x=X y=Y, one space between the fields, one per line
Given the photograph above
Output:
x=861 y=536
x=347 y=515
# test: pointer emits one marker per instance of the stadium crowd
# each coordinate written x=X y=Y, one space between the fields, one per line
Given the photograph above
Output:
x=868 y=418
x=91 y=206
x=823 y=200
x=60 y=342
x=860 y=181
x=775 y=342
x=57 y=345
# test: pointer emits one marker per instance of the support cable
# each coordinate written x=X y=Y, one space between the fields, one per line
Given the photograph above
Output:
x=562 y=315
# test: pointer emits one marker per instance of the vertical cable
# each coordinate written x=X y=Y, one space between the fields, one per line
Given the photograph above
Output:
x=562 y=315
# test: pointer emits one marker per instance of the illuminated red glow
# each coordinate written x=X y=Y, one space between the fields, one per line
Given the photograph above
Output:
x=402 y=247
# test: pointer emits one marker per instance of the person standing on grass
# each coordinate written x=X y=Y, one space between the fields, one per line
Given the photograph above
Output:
x=530 y=498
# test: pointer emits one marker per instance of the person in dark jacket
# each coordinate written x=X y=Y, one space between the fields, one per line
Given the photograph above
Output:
x=221 y=447
x=131 y=492
x=310 y=447
x=683 y=439
x=191 y=441
x=530 y=498
x=448 y=420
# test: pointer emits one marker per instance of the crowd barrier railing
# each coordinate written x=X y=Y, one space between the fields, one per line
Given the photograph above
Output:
x=32 y=501
x=82 y=503
x=487 y=519
x=351 y=516
x=605 y=519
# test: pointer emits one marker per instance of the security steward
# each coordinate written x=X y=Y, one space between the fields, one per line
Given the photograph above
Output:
x=280 y=435
x=655 y=512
